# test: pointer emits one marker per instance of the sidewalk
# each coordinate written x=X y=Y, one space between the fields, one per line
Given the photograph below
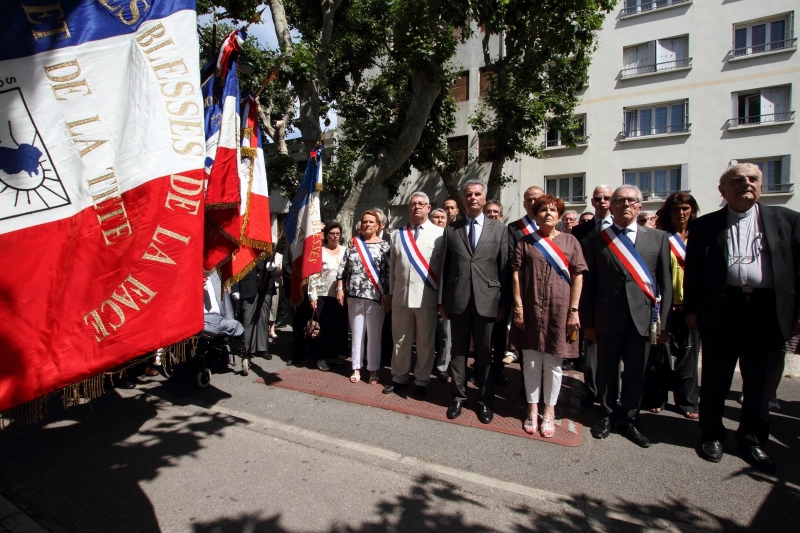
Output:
x=12 y=520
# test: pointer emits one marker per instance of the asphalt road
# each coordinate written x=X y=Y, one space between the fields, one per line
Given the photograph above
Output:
x=239 y=456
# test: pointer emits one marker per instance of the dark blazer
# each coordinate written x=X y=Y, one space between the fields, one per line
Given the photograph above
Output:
x=585 y=229
x=479 y=275
x=515 y=234
x=609 y=291
x=706 y=273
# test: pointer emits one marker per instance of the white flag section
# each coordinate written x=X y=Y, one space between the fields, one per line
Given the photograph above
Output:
x=101 y=188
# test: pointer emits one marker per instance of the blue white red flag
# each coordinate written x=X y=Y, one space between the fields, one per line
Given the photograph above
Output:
x=304 y=226
x=678 y=248
x=101 y=187
x=416 y=258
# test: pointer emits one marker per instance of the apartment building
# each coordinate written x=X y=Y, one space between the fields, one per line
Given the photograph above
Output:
x=678 y=89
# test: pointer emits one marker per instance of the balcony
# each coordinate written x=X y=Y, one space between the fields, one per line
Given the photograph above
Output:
x=656 y=132
x=786 y=45
x=777 y=188
x=574 y=200
x=659 y=196
x=775 y=119
x=656 y=68
x=649 y=7
x=558 y=143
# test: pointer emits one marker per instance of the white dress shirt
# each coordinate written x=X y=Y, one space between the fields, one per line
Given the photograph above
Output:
x=478 y=226
x=749 y=262
x=629 y=231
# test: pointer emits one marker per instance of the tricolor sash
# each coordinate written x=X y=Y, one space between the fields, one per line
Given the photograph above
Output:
x=678 y=248
x=528 y=225
x=417 y=260
x=369 y=263
x=555 y=256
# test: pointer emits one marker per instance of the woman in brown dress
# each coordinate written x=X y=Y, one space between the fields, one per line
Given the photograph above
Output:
x=547 y=276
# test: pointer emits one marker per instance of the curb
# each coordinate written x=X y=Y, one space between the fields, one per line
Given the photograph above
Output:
x=12 y=520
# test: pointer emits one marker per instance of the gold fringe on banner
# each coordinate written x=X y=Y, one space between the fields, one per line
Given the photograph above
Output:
x=250 y=152
x=92 y=388
x=247 y=132
x=26 y=413
x=228 y=205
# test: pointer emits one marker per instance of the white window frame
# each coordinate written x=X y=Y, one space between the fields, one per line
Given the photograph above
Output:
x=778 y=182
x=556 y=144
x=641 y=133
x=770 y=45
x=572 y=199
x=648 y=189
x=634 y=8
x=650 y=65
x=775 y=109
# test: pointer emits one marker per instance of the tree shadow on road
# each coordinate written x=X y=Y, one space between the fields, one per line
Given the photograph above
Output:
x=80 y=469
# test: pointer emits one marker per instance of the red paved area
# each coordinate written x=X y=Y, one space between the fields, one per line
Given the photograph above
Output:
x=508 y=407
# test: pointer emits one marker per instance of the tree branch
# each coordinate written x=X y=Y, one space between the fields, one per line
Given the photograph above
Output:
x=281 y=27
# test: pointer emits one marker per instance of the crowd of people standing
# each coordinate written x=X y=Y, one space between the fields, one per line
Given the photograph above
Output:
x=627 y=293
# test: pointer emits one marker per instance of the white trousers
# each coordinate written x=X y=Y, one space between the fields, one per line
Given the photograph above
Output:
x=541 y=370
x=366 y=316
x=410 y=324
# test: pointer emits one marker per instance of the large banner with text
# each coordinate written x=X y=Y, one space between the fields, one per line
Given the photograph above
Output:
x=102 y=152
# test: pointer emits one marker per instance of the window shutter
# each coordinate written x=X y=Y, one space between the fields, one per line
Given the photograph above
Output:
x=734 y=105
x=786 y=164
x=683 y=184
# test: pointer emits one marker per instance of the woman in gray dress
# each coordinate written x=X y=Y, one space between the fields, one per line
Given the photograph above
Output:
x=547 y=276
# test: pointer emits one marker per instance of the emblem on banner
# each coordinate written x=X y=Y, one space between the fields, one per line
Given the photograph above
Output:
x=29 y=182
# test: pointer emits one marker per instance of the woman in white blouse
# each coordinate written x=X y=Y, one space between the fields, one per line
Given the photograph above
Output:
x=332 y=317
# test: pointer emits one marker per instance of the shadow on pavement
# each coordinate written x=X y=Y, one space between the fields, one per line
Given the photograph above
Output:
x=80 y=469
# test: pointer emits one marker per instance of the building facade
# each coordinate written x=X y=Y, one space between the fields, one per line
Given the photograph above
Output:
x=678 y=89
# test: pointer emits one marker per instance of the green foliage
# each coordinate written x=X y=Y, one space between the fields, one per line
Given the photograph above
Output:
x=283 y=174
x=237 y=10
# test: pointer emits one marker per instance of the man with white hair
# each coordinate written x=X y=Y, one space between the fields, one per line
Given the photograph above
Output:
x=569 y=220
x=628 y=278
x=414 y=267
x=740 y=290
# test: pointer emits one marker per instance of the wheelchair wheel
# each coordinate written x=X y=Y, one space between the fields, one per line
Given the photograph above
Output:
x=245 y=366
x=202 y=378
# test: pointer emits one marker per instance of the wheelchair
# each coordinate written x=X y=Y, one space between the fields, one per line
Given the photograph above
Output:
x=194 y=358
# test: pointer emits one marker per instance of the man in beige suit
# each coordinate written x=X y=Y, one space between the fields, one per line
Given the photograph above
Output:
x=414 y=266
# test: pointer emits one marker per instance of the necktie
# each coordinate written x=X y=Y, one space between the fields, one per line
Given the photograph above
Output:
x=627 y=233
x=416 y=232
x=473 y=237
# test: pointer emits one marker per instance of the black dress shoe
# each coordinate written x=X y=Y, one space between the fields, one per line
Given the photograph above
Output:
x=454 y=411
x=442 y=375
x=637 y=437
x=601 y=428
x=500 y=379
x=124 y=383
x=568 y=364
x=485 y=414
x=757 y=458
x=392 y=386
x=711 y=450
x=268 y=356
x=420 y=392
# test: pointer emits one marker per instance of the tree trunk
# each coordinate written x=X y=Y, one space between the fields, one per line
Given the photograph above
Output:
x=451 y=184
x=495 y=186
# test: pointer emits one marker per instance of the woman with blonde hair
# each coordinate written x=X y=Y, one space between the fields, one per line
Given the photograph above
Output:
x=363 y=278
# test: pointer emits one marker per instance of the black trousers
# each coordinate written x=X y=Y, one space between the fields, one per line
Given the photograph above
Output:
x=684 y=346
x=462 y=326
x=301 y=346
x=590 y=370
x=751 y=335
x=632 y=350
x=499 y=343
x=333 y=326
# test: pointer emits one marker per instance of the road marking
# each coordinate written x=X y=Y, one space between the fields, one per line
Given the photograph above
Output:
x=593 y=511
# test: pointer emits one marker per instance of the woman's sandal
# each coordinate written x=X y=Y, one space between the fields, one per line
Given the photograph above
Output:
x=548 y=430
x=655 y=410
x=373 y=378
x=355 y=378
x=530 y=425
x=691 y=416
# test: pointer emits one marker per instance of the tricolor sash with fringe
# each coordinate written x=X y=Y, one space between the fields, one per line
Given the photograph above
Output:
x=555 y=256
x=678 y=248
x=417 y=260
x=369 y=263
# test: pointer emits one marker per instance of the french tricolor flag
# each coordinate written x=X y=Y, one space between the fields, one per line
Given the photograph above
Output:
x=102 y=151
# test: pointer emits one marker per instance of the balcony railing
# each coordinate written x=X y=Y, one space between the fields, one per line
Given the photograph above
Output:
x=660 y=195
x=574 y=199
x=650 y=6
x=760 y=119
x=786 y=44
x=775 y=188
x=655 y=67
x=552 y=143
x=658 y=130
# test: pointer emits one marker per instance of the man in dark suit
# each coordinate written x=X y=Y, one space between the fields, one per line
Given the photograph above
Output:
x=475 y=253
x=740 y=291
x=617 y=313
x=601 y=201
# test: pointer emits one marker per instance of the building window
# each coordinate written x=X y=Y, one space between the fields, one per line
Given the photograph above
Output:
x=774 y=173
x=761 y=107
x=460 y=89
x=657 y=182
x=554 y=139
x=633 y=7
x=656 y=56
x=485 y=82
x=657 y=119
x=571 y=189
x=459 y=146
x=765 y=35
x=485 y=148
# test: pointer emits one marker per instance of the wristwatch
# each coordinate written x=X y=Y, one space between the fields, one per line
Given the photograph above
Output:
x=573 y=309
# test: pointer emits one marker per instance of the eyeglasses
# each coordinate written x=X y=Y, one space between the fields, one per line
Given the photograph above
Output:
x=601 y=198
x=334 y=233
x=628 y=200
x=417 y=204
